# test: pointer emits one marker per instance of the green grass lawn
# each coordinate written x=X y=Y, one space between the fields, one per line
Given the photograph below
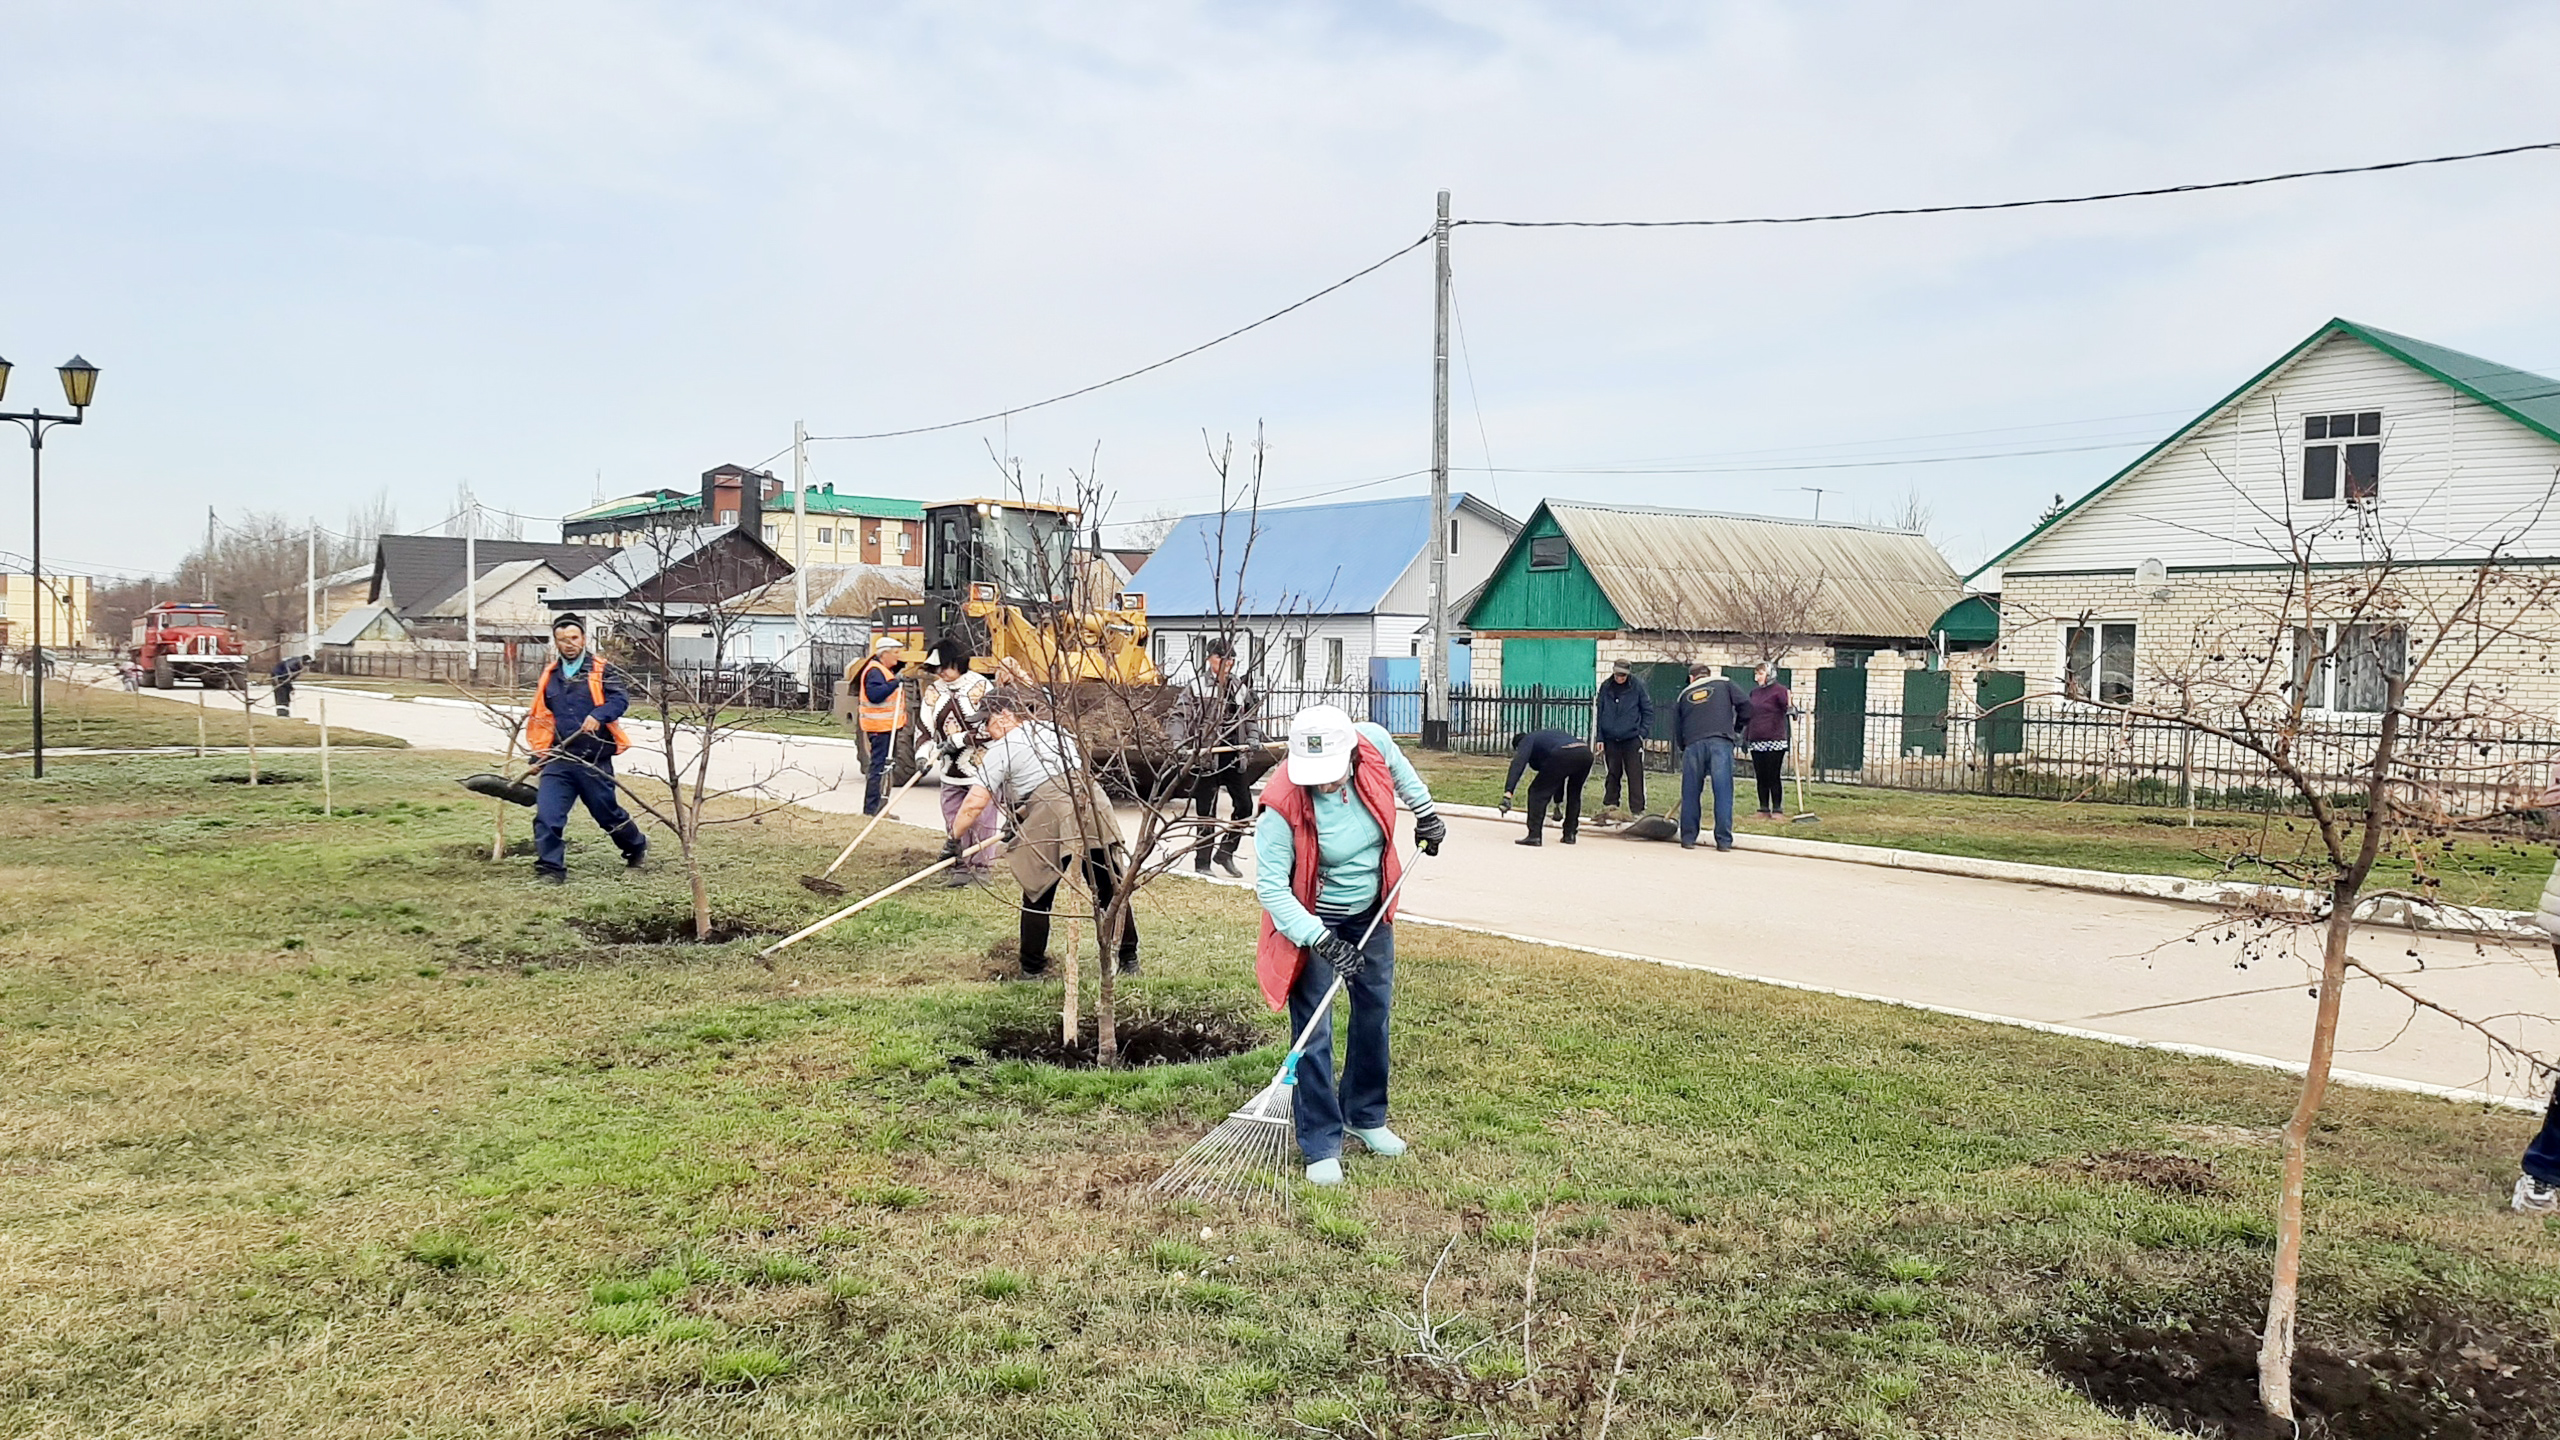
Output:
x=82 y=716
x=333 y=1128
x=2474 y=870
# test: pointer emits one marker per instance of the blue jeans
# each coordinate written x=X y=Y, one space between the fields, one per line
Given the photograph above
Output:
x=875 y=789
x=2542 y=1157
x=1707 y=761
x=1320 y=1108
x=564 y=780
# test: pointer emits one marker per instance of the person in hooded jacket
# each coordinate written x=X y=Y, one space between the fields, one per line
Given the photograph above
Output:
x=1324 y=862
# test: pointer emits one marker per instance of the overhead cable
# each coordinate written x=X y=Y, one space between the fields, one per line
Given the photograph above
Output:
x=1360 y=274
x=2189 y=189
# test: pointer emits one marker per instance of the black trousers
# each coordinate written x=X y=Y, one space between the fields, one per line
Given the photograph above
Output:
x=1626 y=758
x=1769 y=767
x=1563 y=775
x=1204 y=803
x=1036 y=908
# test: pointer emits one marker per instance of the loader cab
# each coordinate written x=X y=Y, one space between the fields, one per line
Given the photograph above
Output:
x=1024 y=554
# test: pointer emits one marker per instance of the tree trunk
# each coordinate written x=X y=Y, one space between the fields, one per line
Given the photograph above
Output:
x=498 y=810
x=249 y=715
x=1106 y=976
x=701 y=892
x=2275 y=1346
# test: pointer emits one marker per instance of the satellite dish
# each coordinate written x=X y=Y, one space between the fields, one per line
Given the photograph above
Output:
x=2152 y=578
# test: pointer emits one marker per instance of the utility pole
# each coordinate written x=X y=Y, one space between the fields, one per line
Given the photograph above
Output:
x=208 y=554
x=1816 y=492
x=311 y=590
x=1435 y=665
x=471 y=577
x=800 y=546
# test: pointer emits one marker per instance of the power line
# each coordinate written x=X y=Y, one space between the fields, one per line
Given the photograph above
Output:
x=2188 y=189
x=1823 y=465
x=1360 y=274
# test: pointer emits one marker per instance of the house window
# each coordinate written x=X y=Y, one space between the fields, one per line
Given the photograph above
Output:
x=1549 y=552
x=2097 y=663
x=2349 y=442
x=2348 y=668
x=1453 y=534
x=826 y=536
x=1333 y=662
x=1159 y=642
x=906 y=541
x=1297 y=662
x=772 y=533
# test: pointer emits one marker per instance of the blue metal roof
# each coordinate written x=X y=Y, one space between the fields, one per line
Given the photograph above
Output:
x=1310 y=560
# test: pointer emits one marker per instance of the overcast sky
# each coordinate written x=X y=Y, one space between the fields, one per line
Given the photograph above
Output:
x=326 y=249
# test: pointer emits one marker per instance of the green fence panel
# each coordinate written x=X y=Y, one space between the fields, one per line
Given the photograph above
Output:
x=1663 y=680
x=1840 y=720
x=2001 y=697
x=1924 y=712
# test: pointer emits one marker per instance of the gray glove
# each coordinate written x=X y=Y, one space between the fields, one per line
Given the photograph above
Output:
x=1428 y=832
x=1345 y=957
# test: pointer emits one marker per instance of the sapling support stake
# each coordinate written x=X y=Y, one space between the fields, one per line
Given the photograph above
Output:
x=328 y=797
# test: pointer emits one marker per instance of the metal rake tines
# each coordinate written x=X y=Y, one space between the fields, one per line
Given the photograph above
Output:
x=1245 y=1157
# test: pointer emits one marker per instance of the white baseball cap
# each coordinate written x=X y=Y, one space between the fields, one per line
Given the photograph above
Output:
x=1320 y=744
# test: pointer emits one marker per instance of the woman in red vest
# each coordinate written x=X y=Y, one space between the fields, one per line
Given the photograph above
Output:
x=1325 y=861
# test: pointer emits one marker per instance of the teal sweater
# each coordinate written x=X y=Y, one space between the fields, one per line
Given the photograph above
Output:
x=1350 y=848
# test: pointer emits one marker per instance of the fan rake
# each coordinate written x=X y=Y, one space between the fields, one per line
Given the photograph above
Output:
x=1246 y=1158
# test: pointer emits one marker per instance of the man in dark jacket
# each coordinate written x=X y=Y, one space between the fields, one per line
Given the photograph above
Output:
x=1705 y=724
x=573 y=733
x=1625 y=719
x=1563 y=761
x=1226 y=716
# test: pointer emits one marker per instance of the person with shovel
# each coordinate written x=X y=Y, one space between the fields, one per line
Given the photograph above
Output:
x=1562 y=761
x=1324 y=862
x=1225 y=719
x=1062 y=823
x=580 y=697
x=1705 y=723
x=949 y=735
x=880 y=708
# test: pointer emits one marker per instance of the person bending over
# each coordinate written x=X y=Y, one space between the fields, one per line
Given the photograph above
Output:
x=1062 y=823
x=1563 y=761
x=1324 y=861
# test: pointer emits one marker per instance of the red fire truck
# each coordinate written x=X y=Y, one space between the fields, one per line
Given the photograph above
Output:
x=174 y=641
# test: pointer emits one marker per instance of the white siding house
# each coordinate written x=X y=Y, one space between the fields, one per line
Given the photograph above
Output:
x=2358 y=445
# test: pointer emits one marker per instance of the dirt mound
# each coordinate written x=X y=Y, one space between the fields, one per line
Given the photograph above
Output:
x=673 y=927
x=265 y=777
x=2168 y=1174
x=2440 y=1378
x=1174 y=1038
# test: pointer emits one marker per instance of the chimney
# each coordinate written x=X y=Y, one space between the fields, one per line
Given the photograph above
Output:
x=751 y=493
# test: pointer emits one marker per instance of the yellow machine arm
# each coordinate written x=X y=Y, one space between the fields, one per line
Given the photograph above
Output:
x=1087 y=645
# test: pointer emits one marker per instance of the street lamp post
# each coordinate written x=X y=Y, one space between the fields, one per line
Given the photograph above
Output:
x=79 y=385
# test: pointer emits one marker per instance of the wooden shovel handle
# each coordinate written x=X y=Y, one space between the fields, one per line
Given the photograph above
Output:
x=765 y=955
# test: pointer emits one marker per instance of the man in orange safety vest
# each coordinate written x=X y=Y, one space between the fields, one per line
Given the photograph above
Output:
x=880 y=708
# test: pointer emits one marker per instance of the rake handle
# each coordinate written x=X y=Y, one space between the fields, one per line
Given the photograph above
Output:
x=857 y=840
x=1324 y=1007
x=766 y=954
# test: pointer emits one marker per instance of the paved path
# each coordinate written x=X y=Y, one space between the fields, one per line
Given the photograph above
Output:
x=2115 y=966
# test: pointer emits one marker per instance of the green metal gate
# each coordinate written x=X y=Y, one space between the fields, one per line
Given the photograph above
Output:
x=2000 y=698
x=1840 y=721
x=1924 y=712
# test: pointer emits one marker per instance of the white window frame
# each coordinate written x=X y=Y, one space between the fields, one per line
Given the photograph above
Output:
x=1298 y=661
x=1333 y=660
x=2096 y=628
x=2365 y=428
x=2322 y=699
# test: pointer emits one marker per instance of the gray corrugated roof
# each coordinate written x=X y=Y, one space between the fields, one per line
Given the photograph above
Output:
x=1676 y=569
x=345 y=629
x=411 y=572
x=706 y=564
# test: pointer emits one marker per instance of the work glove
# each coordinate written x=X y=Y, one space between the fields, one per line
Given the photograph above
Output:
x=950 y=847
x=1345 y=957
x=1505 y=807
x=1428 y=832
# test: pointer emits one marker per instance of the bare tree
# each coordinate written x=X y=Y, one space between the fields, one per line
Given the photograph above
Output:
x=1085 y=661
x=1907 y=511
x=685 y=626
x=1766 y=616
x=1148 y=530
x=2403 y=659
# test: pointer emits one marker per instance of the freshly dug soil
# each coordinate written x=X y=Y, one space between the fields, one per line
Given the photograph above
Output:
x=663 y=928
x=2439 y=1377
x=1145 y=1039
x=265 y=778
x=2168 y=1174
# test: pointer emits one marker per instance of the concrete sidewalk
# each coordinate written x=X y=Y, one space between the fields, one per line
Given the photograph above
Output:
x=2121 y=967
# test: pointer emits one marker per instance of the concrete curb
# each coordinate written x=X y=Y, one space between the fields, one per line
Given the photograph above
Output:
x=785 y=736
x=2178 y=889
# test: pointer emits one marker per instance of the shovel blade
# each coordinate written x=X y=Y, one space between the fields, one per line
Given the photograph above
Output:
x=820 y=885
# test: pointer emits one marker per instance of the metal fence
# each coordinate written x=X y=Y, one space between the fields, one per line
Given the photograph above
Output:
x=2053 y=751
x=756 y=685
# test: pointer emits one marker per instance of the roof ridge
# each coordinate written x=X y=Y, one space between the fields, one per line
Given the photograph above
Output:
x=1553 y=504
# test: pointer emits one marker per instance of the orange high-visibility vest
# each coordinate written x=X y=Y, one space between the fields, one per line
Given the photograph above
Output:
x=880 y=717
x=541 y=731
